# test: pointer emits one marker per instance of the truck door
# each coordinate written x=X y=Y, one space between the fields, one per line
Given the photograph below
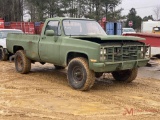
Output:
x=49 y=46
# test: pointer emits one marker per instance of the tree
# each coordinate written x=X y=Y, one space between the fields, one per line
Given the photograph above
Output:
x=104 y=8
x=39 y=10
x=146 y=18
x=5 y=9
x=11 y=10
x=156 y=11
x=110 y=13
x=132 y=16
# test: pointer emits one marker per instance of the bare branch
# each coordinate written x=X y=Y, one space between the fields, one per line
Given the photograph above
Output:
x=156 y=11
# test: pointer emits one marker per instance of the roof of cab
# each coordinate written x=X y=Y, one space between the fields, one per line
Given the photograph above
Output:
x=68 y=18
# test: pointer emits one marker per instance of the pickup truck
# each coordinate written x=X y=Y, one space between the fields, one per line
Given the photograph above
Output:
x=3 y=35
x=83 y=47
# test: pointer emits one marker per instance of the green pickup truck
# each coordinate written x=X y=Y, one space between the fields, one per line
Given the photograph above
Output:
x=83 y=46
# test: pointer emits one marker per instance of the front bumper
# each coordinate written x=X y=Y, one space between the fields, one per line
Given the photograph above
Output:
x=122 y=65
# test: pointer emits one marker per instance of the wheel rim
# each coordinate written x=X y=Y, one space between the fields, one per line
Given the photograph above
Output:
x=19 y=63
x=78 y=74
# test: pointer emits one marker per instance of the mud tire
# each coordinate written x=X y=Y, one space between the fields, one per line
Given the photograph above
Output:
x=125 y=75
x=3 y=55
x=22 y=63
x=80 y=77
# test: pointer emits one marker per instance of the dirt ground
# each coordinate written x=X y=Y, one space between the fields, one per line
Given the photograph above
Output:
x=44 y=94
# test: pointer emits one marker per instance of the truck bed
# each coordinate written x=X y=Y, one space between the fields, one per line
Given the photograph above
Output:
x=29 y=43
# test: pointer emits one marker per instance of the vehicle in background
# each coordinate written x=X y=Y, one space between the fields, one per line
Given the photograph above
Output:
x=150 y=30
x=3 y=35
x=151 y=39
x=156 y=30
x=147 y=26
x=128 y=30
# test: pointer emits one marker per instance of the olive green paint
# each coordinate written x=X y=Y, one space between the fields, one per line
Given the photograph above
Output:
x=55 y=49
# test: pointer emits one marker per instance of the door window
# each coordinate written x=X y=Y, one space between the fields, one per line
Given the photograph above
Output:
x=54 y=25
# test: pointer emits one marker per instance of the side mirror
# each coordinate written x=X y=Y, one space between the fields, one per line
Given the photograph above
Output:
x=49 y=33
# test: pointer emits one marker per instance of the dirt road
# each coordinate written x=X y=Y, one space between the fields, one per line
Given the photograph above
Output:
x=44 y=94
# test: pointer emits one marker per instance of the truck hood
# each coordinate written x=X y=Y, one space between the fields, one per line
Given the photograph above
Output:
x=118 y=37
x=110 y=37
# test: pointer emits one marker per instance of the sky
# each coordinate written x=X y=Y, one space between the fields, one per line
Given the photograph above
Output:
x=143 y=7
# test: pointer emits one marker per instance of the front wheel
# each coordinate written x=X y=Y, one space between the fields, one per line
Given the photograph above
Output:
x=79 y=75
x=3 y=54
x=22 y=63
x=125 y=75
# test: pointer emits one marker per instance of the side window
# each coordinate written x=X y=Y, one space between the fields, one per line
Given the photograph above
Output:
x=54 y=25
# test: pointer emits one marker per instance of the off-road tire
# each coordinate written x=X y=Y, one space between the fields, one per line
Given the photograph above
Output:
x=59 y=67
x=125 y=75
x=3 y=55
x=80 y=77
x=22 y=63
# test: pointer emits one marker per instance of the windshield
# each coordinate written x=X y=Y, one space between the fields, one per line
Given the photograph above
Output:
x=82 y=27
x=3 y=34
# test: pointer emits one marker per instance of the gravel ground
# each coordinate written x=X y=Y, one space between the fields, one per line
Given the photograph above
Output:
x=44 y=94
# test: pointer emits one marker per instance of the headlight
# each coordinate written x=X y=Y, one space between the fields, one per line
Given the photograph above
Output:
x=142 y=49
x=103 y=51
x=102 y=58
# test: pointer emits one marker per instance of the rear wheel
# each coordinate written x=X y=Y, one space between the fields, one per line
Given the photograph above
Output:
x=125 y=75
x=79 y=75
x=22 y=63
x=3 y=54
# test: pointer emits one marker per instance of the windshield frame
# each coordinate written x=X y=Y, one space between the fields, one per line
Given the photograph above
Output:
x=88 y=20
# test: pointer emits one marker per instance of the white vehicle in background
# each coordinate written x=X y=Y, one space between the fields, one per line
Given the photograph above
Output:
x=128 y=30
x=147 y=26
x=3 y=35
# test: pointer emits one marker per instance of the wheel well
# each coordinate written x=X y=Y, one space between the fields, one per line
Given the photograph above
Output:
x=16 y=48
x=157 y=56
x=1 y=46
x=72 y=55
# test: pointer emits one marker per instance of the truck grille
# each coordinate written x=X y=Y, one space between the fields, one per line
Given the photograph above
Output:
x=124 y=53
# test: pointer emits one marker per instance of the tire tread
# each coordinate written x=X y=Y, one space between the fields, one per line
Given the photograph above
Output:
x=26 y=62
x=90 y=74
